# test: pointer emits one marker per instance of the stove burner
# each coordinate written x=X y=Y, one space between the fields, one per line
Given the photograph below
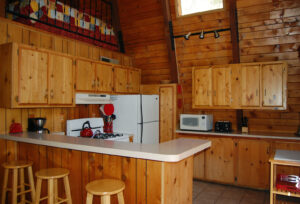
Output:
x=100 y=135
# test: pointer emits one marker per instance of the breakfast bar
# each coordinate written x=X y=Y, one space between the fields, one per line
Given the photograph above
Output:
x=151 y=173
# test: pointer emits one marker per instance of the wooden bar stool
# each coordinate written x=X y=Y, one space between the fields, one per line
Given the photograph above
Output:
x=105 y=188
x=16 y=166
x=52 y=175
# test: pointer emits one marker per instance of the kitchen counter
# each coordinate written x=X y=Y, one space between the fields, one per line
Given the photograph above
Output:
x=171 y=151
x=283 y=136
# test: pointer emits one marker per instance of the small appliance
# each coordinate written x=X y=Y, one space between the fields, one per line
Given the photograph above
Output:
x=196 y=122
x=223 y=126
x=37 y=125
x=94 y=129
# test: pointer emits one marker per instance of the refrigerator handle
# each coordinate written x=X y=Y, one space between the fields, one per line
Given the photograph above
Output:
x=142 y=121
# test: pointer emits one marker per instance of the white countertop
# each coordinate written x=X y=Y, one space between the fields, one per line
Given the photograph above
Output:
x=171 y=151
x=246 y=135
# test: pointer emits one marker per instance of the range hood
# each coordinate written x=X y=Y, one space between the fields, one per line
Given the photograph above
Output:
x=85 y=98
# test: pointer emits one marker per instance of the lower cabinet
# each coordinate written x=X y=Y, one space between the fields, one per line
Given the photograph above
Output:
x=253 y=168
x=239 y=161
x=219 y=160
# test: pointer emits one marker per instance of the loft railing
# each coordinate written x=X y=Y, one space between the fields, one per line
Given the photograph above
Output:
x=87 y=20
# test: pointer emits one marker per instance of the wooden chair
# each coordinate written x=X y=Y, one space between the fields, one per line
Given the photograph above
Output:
x=52 y=175
x=105 y=188
x=18 y=166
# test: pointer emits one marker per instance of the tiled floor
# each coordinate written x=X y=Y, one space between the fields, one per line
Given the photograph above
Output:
x=210 y=193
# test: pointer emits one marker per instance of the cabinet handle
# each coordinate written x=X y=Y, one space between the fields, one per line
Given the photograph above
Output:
x=51 y=94
x=215 y=92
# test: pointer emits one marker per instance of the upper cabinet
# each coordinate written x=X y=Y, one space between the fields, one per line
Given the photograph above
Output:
x=241 y=86
x=32 y=77
x=221 y=77
x=273 y=84
x=127 y=80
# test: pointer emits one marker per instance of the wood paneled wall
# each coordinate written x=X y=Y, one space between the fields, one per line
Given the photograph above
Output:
x=142 y=25
x=269 y=30
x=56 y=117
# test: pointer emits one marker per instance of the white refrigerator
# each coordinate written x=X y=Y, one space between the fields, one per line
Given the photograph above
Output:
x=138 y=115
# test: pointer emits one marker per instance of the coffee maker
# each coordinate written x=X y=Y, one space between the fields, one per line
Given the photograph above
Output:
x=37 y=125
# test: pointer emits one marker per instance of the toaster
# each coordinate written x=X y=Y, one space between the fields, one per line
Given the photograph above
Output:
x=223 y=126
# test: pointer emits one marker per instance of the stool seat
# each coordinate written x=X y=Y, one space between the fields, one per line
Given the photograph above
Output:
x=52 y=173
x=105 y=187
x=17 y=164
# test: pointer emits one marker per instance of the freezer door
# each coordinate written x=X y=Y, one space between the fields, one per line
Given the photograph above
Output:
x=150 y=108
x=149 y=133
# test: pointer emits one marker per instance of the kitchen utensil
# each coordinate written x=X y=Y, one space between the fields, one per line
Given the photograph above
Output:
x=107 y=109
x=86 y=130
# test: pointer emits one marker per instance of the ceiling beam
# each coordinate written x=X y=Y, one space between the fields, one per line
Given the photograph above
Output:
x=169 y=40
x=234 y=31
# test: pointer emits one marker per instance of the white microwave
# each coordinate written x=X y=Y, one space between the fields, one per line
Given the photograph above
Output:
x=196 y=122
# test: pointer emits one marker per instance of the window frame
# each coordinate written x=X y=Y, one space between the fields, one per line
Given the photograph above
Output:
x=178 y=10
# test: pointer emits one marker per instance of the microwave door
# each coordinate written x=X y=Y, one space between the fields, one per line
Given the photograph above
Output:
x=190 y=123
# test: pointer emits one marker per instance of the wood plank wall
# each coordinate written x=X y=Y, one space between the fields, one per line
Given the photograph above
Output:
x=56 y=117
x=142 y=25
x=269 y=31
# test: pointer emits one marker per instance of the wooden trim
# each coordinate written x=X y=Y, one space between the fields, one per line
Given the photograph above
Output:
x=234 y=31
x=169 y=40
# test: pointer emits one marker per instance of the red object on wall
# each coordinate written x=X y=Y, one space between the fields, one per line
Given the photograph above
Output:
x=179 y=89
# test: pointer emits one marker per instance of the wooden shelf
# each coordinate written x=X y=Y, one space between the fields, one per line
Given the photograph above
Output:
x=287 y=158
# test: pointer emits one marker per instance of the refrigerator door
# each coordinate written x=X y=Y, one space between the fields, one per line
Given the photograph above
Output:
x=150 y=108
x=126 y=113
x=148 y=133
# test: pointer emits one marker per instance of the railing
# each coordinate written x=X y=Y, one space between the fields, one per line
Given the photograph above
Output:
x=87 y=20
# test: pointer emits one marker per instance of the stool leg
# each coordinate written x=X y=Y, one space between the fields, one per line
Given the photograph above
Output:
x=105 y=199
x=120 y=198
x=15 y=186
x=31 y=183
x=50 y=191
x=55 y=191
x=4 y=186
x=89 y=198
x=67 y=190
x=38 y=191
x=22 y=185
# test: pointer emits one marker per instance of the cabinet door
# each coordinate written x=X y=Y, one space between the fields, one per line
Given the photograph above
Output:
x=60 y=79
x=202 y=87
x=104 y=74
x=250 y=79
x=219 y=160
x=33 y=87
x=253 y=163
x=272 y=84
x=85 y=76
x=134 y=81
x=166 y=118
x=221 y=86
x=120 y=77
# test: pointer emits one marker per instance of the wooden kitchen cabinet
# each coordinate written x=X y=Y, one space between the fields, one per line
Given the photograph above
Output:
x=221 y=77
x=202 y=87
x=85 y=76
x=250 y=82
x=104 y=77
x=61 y=84
x=126 y=80
x=253 y=164
x=273 y=84
x=219 y=160
x=261 y=85
x=33 y=87
x=32 y=77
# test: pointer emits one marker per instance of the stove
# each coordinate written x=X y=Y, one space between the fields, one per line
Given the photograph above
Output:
x=75 y=126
